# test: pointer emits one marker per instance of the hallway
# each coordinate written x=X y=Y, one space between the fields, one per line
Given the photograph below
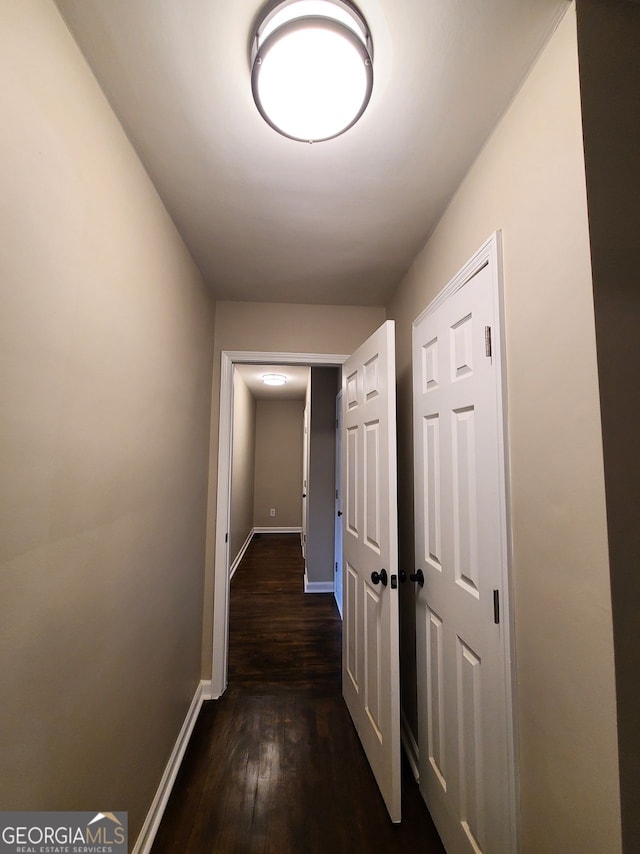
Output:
x=275 y=766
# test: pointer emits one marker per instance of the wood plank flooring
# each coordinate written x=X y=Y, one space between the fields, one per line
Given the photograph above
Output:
x=275 y=766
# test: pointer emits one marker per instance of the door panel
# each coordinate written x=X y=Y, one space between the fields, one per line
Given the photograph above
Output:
x=432 y=494
x=370 y=680
x=372 y=486
x=350 y=658
x=471 y=744
x=464 y=706
x=435 y=693
x=372 y=641
x=351 y=468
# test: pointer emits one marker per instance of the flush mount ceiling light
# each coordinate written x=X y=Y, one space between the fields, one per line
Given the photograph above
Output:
x=274 y=379
x=311 y=68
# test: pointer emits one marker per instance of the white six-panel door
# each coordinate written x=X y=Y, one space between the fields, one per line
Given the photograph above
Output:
x=370 y=656
x=464 y=702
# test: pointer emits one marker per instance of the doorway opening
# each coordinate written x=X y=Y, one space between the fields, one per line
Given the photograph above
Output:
x=231 y=359
x=267 y=457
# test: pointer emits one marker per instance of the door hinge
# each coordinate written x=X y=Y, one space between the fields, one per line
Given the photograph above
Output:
x=487 y=341
x=496 y=606
x=336 y=566
x=226 y=538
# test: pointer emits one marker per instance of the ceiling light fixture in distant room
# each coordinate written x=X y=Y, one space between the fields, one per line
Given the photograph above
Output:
x=274 y=379
x=312 y=68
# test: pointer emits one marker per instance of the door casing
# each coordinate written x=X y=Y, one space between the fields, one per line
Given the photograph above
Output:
x=230 y=358
x=337 y=582
x=305 y=476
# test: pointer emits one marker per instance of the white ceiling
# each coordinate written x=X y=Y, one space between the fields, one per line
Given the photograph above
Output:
x=294 y=389
x=270 y=219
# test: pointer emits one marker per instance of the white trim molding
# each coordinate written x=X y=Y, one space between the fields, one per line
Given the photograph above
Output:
x=240 y=555
x=410 y=745
x=151 y=824
x=317 y=586
x=266 y=530
x=207 y=690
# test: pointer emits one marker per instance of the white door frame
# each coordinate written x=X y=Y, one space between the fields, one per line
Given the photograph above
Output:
x=305 y=475
x=337 y=522
x=230 y=358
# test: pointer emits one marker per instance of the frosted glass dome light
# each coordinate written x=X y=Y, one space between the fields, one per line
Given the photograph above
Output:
x=312 y=71
x=274 y=379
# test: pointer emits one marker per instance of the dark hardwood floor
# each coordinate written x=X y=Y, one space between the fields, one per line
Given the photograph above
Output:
x=275 y=766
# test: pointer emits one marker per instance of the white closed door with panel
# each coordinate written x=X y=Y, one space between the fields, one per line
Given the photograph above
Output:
x=370 y=656
x=464 y=687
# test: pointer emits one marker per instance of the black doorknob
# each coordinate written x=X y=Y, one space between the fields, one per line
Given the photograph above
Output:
x=304 y=494
x=378 y=577
x=418 y=576
x=339 y=512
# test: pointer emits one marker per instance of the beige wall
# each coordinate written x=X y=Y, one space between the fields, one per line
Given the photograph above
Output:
x=322 y=479
x=105 y=371
x=272 y=327
x=243 y=458
x=610 y=88
x=529 y=182
x=278 y=464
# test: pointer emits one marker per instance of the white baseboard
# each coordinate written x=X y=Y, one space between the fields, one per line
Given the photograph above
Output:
x=337 y=604
x=317 y=586
x=159 y=803
x=410 y=745
x=263 y=530
x=206 y=687
x=240 y=554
